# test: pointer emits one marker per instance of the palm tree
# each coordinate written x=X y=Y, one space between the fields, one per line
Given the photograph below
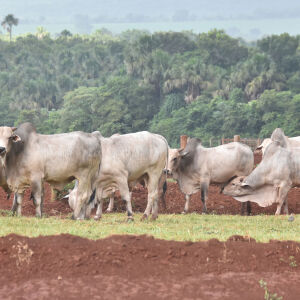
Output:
x=8 y=22
x=42 y=33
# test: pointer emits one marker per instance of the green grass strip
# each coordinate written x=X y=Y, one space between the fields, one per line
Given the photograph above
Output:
x=191 y=227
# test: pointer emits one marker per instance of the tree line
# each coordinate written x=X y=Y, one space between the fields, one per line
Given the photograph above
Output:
x=203 y=85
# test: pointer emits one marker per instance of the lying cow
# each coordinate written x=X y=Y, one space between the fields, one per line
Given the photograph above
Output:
x=56 y=159
x=270 y=182
x=195 y=167
x=128 y=159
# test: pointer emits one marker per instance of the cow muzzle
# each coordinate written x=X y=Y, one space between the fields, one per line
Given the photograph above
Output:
x=2 y=151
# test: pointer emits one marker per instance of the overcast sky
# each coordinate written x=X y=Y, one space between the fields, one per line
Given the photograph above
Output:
x=142 y=11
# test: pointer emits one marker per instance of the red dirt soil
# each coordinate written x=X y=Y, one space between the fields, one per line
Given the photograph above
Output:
x=141 y=267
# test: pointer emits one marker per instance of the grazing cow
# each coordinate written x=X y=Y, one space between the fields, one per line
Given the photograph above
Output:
x=128 y=159
x=291 y=143
x=195 y=167
x=270 y=182
x=56 y=159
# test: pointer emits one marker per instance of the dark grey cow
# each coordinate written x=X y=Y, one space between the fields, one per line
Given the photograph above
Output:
x=195 y=167
x=56 y=159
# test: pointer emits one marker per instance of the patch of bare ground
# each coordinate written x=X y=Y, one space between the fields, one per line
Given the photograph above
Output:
x=141 y=267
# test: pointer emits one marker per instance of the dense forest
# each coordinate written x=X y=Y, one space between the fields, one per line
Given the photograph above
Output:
x=203 y=85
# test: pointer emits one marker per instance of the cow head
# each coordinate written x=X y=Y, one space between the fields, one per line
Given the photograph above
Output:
x=182 y=159
x=237 y=187
x=177 y=162
x=7 y=137
x=173 y=154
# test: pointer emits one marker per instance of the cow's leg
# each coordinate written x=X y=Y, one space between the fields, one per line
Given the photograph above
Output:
x=152 y=202
x=87 y=208
x=37 y=191
x=84 y=192
x=204 y=191
x=19 y=200
x=248 y=208
x=187 y=204
x=15 y=204
x=126 y=196
x=8 y=195
x=111 y=203
x=99 y=206
x=162 y=189
x=286 y=206
x=282 y=194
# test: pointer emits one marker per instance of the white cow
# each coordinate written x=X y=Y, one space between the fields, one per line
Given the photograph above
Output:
x=195 y=167
x=56 y=159
x=270 y=182
x=128 y=159
x=291 y=142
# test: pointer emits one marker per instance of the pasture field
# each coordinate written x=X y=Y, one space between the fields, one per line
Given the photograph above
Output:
x=191 y=227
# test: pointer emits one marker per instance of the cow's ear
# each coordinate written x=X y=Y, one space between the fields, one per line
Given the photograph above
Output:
x=14 y=128
x=259 y=147
x=184 y=153
x=15 y=138
x=246 y=186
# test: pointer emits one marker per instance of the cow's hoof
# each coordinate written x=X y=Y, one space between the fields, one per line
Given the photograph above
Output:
x=184 y=212
x=97 y=218
x=130 y=220
x=153 y=217
x=109 y=211
x=144 y=217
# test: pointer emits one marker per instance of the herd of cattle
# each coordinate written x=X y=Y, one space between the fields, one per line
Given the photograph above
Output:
x=100 y=166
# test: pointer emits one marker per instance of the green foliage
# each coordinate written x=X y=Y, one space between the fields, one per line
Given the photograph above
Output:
x=223 y=50
x=121 y=105
x=204 y=85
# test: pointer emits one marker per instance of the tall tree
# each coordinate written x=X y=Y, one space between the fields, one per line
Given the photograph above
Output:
x=8 y=22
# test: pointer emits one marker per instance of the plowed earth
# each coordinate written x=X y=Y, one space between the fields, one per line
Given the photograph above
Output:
x=141 y=267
